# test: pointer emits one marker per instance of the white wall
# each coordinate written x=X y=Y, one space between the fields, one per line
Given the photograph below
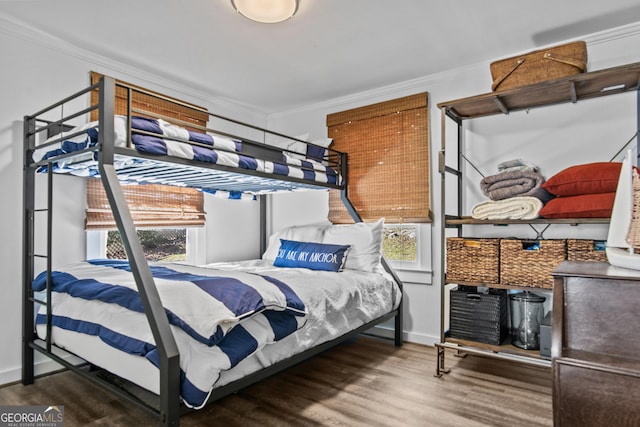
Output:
x=233 y=229
x=553 y=137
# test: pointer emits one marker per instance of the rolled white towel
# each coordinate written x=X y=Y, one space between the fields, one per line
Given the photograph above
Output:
x=523 y=207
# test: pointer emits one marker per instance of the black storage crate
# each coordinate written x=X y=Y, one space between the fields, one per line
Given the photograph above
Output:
x=478 y=316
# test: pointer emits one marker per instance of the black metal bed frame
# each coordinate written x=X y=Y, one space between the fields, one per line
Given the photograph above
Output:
x=168 y=408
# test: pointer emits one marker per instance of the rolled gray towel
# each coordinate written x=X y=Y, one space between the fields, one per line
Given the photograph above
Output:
x=514 y=184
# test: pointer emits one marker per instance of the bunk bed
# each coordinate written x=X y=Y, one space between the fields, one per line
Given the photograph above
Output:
x=173 y=358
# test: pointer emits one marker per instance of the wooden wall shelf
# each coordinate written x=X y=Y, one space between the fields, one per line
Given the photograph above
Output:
x=593 y=84
x=467 y=220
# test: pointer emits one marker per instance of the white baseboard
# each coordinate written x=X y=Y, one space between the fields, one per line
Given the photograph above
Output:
x=388 y=332
x=42 y=366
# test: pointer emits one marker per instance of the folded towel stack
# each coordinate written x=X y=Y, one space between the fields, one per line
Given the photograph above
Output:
x=516 y=192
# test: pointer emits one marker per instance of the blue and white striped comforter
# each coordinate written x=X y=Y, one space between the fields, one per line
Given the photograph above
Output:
x=177 y=141
x=220 y=317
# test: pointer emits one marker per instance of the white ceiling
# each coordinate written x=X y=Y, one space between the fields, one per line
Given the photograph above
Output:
x=331 y=48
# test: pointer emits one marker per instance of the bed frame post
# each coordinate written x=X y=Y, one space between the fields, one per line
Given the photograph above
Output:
x=262 y=199
x=156 y=315
x=28 y=197
x=398 y=321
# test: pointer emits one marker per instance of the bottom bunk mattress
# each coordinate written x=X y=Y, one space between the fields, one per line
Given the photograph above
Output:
x=228 y=319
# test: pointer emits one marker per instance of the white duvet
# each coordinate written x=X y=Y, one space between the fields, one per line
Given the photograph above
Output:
x=336 y=303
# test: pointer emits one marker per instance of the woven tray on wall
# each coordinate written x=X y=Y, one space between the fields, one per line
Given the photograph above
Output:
x=530 y=263
x=473 y=260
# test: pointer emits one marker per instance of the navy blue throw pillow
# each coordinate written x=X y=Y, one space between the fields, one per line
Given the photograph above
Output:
x=315 y=256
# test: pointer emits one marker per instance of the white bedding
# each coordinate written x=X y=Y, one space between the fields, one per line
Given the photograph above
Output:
x=336 y=303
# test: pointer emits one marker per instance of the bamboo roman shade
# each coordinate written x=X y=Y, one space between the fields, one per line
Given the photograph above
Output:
x=157 y=104
x=388 y=160
x=151 y=206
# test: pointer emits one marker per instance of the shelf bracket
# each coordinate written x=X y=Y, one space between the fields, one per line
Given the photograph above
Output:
x=572 y=92
x=501 y=105
x=472 y=164
x=539 y=234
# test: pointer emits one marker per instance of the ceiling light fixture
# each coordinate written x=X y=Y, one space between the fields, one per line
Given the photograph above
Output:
x=266 y=11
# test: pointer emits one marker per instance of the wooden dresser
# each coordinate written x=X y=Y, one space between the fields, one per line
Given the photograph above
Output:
x=596 y=345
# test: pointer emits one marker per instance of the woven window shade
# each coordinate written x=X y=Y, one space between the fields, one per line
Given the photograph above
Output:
x=151 y=206
x=388 y=160
x=157 y=104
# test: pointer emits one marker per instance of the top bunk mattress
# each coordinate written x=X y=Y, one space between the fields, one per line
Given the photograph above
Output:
x=155 y=139
x=162 y=140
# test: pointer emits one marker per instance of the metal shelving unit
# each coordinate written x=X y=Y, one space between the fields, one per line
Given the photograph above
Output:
x=570 y=89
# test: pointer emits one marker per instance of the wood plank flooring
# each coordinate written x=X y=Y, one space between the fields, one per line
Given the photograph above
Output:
x=363 y=382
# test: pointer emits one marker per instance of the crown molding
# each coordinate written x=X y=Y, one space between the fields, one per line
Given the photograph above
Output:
x=612 y=34
x=369 y=96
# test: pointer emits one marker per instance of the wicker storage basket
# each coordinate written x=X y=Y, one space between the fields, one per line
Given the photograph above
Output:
x=473 y=260
x=585 y=250
x=478 y=316
x=540 y=65
x=530 y=263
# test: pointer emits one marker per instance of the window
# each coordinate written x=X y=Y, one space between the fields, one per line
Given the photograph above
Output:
x=153 y=207
x=388 y=154
x=169 y=221
x=400 y=243
x=165 y=244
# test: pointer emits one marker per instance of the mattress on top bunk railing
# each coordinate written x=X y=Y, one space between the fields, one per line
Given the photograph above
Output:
x=172 y=140
x=334 y=303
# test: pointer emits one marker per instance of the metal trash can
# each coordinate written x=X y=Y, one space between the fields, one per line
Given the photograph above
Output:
x=527 y=312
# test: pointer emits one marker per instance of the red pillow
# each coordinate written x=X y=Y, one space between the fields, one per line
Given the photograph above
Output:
x=590 y=178
x=582 y=206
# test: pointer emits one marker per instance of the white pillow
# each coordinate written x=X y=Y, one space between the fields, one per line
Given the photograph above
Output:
x=298 y=149
x=365 y=240
x=302 y=233
x=323 y=142
x=120 y=128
